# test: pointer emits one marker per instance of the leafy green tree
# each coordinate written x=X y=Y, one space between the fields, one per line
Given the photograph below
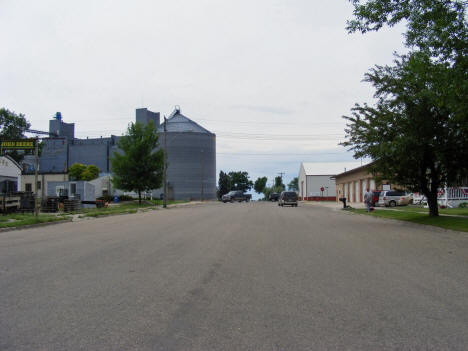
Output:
x=224 y=184
x=279 y=184
x=13 y=126
x=294 y=184
x=91 y=172
x=437 y=27
x=416 y=133
x=240 y=181
x=140 y=167
x=76 y=171
x=260 y=184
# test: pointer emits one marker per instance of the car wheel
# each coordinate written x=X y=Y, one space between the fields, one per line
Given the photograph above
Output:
x=392 y=203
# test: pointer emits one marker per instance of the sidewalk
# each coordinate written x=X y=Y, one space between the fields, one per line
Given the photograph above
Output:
x=332 y=204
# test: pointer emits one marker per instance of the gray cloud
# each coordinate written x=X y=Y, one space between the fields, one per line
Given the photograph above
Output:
x=264 y=109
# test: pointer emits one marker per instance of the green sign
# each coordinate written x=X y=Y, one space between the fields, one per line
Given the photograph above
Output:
x=20 y=144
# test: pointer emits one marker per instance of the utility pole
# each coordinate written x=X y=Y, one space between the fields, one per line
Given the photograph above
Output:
x=36 y=166
x=165 y=165
x=281 y=175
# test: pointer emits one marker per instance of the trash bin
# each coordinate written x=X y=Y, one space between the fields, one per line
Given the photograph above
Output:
x=343 y=200
x=116 y=199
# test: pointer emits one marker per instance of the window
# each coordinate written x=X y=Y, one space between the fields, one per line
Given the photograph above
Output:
x=38 y=185
x=28 y=187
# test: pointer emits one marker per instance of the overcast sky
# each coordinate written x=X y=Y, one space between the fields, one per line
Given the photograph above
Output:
x=271 y=78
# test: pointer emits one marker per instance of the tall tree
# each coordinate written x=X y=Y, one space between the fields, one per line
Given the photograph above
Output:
x=417 y=131
x=224 y=184
x=13 y=126
x=294 y=184
x=240 y=181
x=260 y=184
x=279 y=183
x=140 y=167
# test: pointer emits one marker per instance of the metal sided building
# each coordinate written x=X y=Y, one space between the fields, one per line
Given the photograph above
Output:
x=316 y=180
x=191 y=151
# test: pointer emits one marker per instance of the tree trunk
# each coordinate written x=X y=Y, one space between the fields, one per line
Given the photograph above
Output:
x=433 y=205
x=139 y=197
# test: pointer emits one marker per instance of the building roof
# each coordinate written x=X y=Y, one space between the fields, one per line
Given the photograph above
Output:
x=356 y=169
x=328 y=168
x=12 y=161
x=179 y=123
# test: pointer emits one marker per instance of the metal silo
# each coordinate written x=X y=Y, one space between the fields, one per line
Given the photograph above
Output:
x=191 y=154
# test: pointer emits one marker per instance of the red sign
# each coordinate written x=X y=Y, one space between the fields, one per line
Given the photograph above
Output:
x=322 y=189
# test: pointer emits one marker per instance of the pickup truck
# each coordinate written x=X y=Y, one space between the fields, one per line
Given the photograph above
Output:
x=236 y=195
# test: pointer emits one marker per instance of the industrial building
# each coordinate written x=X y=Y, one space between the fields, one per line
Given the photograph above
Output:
x=191 y=153
x=316 y=180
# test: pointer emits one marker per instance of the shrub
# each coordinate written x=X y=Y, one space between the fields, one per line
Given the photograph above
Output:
x=125 y=198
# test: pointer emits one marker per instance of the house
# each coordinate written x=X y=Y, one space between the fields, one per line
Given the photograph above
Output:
x=10 y=175
x=316 y=179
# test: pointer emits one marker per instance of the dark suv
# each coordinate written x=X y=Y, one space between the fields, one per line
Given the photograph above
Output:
x=274 y=197
x=288 y=198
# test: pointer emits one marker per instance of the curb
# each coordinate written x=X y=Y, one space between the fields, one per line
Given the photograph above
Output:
x=30 y=226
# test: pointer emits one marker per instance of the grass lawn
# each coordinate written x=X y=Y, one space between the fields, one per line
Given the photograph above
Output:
x=19 y=220
x=124 y=208
x=454 y=223
x=452 y=211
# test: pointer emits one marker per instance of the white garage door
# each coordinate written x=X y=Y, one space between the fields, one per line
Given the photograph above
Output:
x=363 y=188
x=351 y=192
x=356 y=191
x=372 y=184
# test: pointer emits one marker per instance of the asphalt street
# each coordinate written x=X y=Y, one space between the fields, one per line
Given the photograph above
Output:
x=242 y=276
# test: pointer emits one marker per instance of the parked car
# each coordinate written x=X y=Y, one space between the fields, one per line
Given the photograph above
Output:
x=288 y=198
x=375 y=197
x=274 y=197
x=394 y=198
x=236 y=195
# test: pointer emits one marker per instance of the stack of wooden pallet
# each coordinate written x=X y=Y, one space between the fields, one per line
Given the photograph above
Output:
x=71 y=205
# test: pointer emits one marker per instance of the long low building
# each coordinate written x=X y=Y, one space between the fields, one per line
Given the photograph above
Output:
x=352 y=184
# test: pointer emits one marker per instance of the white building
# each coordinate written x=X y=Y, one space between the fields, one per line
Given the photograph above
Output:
x=10 y=174
x=316 y=179
x=27 y=183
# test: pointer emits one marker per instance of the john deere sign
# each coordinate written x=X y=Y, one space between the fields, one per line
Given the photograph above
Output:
x=21 y=144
